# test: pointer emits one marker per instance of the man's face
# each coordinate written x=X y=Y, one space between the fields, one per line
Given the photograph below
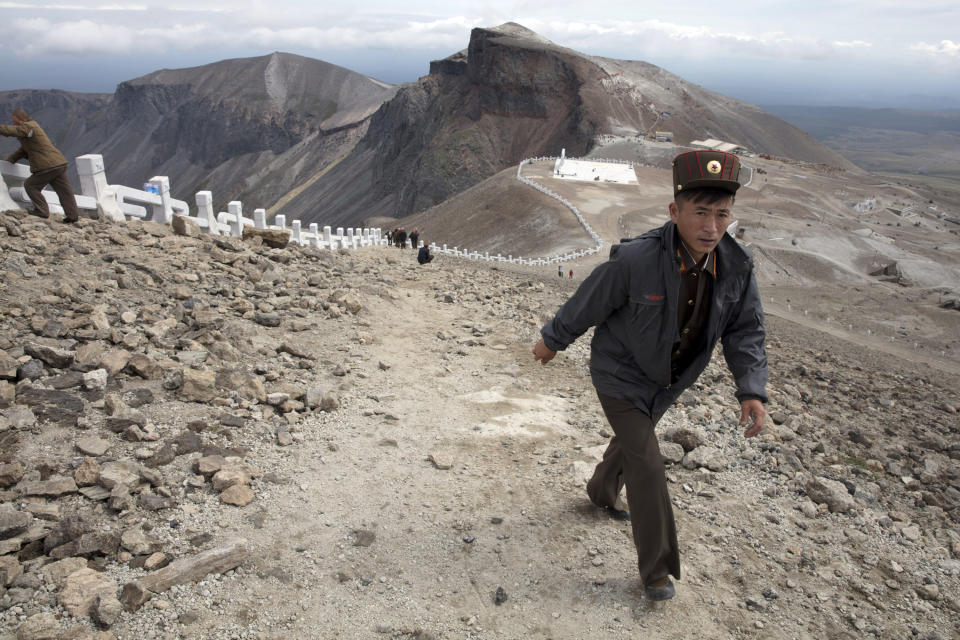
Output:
x=17 y=121
x=701 y=225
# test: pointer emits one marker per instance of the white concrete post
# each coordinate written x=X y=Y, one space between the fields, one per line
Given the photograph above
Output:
x=314 y=240
x=280 y=221
x=260 y=218
x=6 y=202
x=223 y=220
x=315 y=230
x=444 y=248
x=340 y=231
x=163 y=212
x=93 y=175
x=205 y=211
x=235 y=209
x=350 y=238
x=295 y=231
x=366 y=237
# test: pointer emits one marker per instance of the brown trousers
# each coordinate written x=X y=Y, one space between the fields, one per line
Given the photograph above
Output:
x=633 y=458
x=57 y=179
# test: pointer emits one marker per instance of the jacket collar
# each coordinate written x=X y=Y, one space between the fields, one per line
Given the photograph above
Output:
x=732 y=258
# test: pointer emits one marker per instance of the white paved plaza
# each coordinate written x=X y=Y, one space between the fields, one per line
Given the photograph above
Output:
x=587 y=171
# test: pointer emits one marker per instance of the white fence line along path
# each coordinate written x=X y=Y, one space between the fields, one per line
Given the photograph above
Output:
x=541 y=261
x=154 y=203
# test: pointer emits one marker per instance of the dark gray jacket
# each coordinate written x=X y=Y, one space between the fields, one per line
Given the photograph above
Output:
x=632 y=301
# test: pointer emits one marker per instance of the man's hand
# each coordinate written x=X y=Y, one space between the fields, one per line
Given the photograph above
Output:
x=542 y=352
x=752 y=413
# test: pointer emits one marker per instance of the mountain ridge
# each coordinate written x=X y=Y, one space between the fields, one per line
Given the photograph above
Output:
x=259 y=129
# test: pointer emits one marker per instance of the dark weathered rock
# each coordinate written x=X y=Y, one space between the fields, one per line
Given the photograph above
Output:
x=88 y=473
x=188 y=442
x=209 y=464
x=183 y=571
x=12 y=521
x=152 y=502
x=51 y=405
x=144 y=366
x=31 y=370
x=68 y=380
x=275 y=238
x=165 y=455
x=54 y=486
x=52 y=356
x=687 y=437
x=268 y=319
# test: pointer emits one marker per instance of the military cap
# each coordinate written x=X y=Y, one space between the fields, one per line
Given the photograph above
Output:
x=695 y=169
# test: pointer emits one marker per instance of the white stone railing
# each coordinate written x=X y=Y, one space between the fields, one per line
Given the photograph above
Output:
x=119 y=202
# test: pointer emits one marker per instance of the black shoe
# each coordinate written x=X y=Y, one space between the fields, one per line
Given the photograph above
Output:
x=38 y=213
x=617 y=514
x=660 y=590
x=71 y=220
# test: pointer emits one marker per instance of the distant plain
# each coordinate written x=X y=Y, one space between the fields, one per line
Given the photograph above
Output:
x=921 y=147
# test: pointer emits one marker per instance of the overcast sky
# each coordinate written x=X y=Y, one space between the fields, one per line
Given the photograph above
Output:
x=832 y=52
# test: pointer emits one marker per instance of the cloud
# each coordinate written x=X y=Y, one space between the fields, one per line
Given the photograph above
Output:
x=315 y=29
x=72 y=7
x=943 y=48
x=850 y=44
x=669 y=39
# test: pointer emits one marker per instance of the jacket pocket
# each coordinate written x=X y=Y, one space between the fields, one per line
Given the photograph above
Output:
x=644 y=310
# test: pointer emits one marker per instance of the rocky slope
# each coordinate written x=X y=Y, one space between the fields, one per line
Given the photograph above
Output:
x=206 y=438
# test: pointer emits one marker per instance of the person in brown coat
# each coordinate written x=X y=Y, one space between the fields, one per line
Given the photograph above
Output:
x=47 y=165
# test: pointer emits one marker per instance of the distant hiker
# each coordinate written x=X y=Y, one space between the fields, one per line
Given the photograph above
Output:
x=414 y=237
x=424 y=256
x=47 y=166
x=390 y=233
x=660 y=304
x=402 y=238
x=560 y=270
x=571 y=274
